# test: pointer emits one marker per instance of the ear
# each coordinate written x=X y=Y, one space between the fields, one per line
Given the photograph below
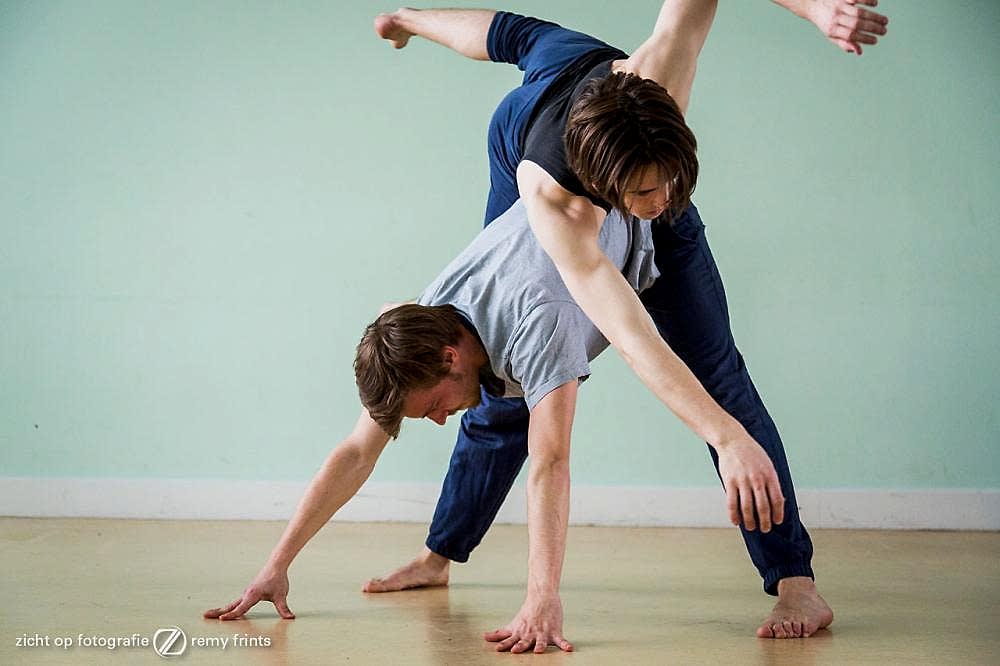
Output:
x=450 y=356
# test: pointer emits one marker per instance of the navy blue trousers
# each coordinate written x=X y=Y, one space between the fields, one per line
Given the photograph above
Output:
x=687 y=303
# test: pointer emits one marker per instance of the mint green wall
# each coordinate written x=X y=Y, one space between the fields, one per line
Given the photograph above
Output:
x=202 y=204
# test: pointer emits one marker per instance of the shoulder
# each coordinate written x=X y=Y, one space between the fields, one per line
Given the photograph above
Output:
x=549 y=349
x=535 y=182
x=539 y=188
x=553 y=323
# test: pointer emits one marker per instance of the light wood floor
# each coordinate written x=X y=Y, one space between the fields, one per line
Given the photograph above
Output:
x=632 y=596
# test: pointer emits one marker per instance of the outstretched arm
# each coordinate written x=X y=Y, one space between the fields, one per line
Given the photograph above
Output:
x=567 y=228
x=539 y=622
x=843 y=22
x=343 y=473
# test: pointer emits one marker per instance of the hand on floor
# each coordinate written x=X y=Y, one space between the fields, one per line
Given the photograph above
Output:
x=538 y=624
x=269 y=585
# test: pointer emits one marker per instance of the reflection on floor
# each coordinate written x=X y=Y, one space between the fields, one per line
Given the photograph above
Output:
x=631 y=596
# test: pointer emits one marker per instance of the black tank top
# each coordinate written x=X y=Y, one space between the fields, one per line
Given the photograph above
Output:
x=543 y=141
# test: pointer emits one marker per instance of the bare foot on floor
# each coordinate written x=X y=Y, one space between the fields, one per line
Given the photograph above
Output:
x=428 y=570
x=388 y=26
x=799 y=613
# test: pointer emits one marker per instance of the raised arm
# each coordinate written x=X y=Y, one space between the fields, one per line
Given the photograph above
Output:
x=670 y=55
x=338 y=480
x=539 y=622
x=567 y=228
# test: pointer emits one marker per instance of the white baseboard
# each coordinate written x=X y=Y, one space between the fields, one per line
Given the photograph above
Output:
x=640 y=506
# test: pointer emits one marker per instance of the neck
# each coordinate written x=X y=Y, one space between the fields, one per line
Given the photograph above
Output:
x=469 y=343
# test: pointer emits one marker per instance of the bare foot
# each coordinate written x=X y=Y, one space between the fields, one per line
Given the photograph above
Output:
x=799 y=613
x=389 y=26
x=428 y=570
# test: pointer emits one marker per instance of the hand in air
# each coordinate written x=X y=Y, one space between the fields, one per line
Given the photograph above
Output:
x=538 y=624
x=751 y=482
x=847 y=24
x=269 y=585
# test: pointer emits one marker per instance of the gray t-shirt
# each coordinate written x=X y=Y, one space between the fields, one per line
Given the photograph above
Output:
x=536 y=337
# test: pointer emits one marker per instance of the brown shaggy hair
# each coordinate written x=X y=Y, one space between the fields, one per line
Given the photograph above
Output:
x=401 y=351
x=622 y=124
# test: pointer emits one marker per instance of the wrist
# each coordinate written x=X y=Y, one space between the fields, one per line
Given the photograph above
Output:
x=801 y=8
x=728 y=436
x=279 y=561
x=542 y=591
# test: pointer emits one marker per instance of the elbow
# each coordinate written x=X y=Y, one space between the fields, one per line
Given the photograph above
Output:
x=628 y=346
x=548 y=468
x=548 y=480
x=626 y=351
x=355 y=457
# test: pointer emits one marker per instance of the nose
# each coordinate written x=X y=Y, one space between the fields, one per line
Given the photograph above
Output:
x=440 y=417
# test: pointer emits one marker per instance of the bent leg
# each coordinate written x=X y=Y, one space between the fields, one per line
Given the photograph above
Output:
x=491 y=448
x=688 y=305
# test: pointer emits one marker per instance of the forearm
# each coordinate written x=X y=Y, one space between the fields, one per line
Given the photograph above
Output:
x=548 y=488
x=617 y=312
x=568 y=230
x=673 y=383
x=338 y=480
x=548 y=516
x=539 y=622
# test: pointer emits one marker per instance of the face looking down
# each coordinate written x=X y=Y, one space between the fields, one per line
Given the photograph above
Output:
x=647 y=195
x=457 y=391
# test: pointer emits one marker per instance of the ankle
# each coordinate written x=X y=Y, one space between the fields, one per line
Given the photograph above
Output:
x=431 y=558
x=796 y=584
x=404 y=15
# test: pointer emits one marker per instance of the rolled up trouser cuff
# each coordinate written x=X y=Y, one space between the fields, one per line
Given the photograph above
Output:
x=445 y=551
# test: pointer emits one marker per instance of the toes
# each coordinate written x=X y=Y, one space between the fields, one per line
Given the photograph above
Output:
x=764 y=631
x=784 y=629
x=391 y=583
